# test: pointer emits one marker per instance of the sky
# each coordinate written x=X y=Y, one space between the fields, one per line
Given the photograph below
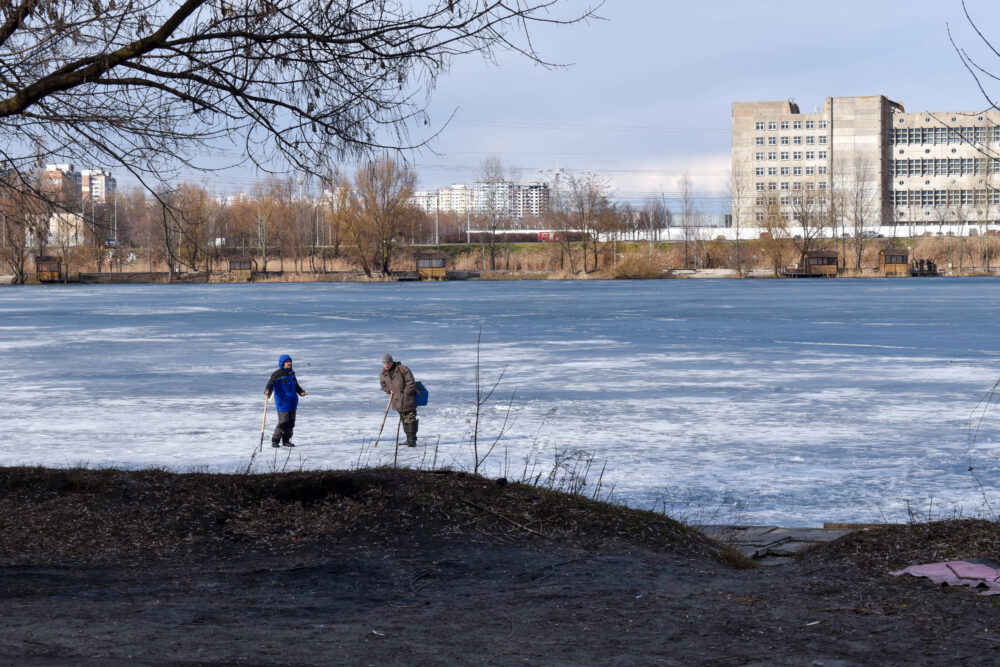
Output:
x=646 y=91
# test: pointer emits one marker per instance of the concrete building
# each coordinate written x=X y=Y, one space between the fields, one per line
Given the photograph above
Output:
x=865 y=153
x=531 y=200
x=96 y=185
x=61 y=183
x=455 y=199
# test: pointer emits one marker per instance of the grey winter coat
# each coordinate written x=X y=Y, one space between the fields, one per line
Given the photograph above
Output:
x=399 y=381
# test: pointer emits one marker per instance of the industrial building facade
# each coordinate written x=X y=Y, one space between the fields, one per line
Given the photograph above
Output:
x=909 y=168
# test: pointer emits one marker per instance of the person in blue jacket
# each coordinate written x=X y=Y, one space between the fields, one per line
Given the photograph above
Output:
x=286 y=398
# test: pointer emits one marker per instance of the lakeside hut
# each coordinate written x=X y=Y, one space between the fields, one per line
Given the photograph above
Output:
x=48 y=269
x=431 y=265
x=815 y=264
x=893 y=262
x=240 y=268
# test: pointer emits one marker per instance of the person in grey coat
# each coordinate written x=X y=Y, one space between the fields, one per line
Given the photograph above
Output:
x=397 y=380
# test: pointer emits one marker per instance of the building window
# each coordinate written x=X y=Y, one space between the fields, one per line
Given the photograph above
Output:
x=758 y=156
x=784 y=201
x=772 y=186
x=797 y=141
x=760 y=217
x=772 y=171
x=810 y=171
x=772 y=156
x=810 y=140
x=759 y=171
x=810 y=185
x=772 y=125
x=784 y=141
x=797 y=124
x=822 y=185
x=759 y=141
x=784 y=155
x=797 y=155
x=821 y=155
x=822 y=139
x=772 y=141
x=759 y=125
x=797 y=185
x=810 y=155
x=797 y=171
x=760 y=187
x=810 y=125
x=784 y=185
x=821 y=125
x=784 y=125
x=785 y=171
x=821 y=170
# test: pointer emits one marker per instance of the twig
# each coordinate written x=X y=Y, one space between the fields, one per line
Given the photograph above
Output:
x=505 y=518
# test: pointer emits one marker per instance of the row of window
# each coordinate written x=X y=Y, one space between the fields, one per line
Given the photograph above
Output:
x=790 y=185
x=791 y=201
x=790 y=125
x=944 y=197
x=790 y=171
x=794 y=141
x=943 y=167
x=943 y=135
x=760 y=156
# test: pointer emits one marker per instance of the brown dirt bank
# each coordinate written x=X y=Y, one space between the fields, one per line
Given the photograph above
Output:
x=403 y=567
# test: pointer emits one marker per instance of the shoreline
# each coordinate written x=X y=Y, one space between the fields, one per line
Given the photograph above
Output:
x=226 y=277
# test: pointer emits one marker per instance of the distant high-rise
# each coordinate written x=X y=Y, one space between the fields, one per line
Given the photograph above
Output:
x=96 y=185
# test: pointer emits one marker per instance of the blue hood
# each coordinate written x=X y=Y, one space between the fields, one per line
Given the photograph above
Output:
x=282 y=360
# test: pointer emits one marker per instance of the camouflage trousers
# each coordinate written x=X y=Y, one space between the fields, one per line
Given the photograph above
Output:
x=408 y=417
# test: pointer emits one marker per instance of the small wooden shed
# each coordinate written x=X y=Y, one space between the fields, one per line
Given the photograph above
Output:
x=893 y=262
x=820 y=263
x=240 y=268
x=48 y=269
x=431 y=265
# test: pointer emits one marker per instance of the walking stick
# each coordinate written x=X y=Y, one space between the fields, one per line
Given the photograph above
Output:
x=262 y=422
x=383 y=421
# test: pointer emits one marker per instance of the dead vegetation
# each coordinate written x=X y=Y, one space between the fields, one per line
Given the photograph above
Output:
x=881 y=550
x=106 y=516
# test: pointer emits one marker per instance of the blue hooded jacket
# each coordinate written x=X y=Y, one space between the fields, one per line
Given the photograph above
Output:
x=286 y=387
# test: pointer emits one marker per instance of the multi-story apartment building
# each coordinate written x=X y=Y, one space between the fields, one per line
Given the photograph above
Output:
x=531 y=200
x=96 y=185
x=912 y=168
x=513 y=199
x=61 y=183
x=455 y=199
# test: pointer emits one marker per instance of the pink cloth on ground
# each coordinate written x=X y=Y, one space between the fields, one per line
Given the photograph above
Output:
x=958 y=573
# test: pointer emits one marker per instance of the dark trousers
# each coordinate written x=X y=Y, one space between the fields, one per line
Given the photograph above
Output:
x=286 y=424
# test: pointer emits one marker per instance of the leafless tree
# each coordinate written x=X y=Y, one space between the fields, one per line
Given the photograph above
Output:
x=855 y=188
x=497 y=211
x=654 y=217
x=23 y=218
x=775 y=238
x=589 y=206
x=380 y=206
x=688 y=212
x=741 y=204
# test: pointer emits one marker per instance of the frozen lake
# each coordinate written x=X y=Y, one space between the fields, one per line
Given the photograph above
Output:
x=786 y=402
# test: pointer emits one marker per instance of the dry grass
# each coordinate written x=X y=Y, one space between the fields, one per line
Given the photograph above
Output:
x=880 y=550
x=83 y=515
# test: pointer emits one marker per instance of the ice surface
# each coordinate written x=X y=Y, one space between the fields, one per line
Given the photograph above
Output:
x=785 y=402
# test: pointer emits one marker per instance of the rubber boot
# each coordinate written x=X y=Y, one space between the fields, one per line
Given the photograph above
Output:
x=411 y=440
x=413 y=433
